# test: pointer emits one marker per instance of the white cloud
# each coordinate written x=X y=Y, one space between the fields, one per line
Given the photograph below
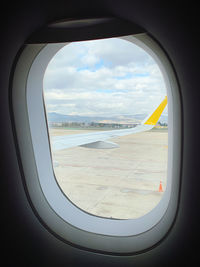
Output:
x=103 y=77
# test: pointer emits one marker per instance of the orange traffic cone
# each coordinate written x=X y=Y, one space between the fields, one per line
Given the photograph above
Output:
x=160 y=187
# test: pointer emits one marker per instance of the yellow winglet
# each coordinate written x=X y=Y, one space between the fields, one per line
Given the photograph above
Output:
x=154 y=117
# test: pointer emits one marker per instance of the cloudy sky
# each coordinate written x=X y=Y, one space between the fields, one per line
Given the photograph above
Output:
x=103 y=78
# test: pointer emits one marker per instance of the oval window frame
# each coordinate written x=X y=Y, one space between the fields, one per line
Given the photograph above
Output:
x=67 y=221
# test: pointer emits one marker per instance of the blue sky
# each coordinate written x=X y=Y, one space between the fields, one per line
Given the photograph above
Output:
x=103 y=78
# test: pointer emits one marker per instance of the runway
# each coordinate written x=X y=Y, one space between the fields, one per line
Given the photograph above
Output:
x=120 y=183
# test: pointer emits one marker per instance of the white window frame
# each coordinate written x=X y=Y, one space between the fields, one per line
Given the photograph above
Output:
x=57 y=212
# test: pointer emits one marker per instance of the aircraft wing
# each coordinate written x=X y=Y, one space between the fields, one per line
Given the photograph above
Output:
x=96 y=139
x=99 y=139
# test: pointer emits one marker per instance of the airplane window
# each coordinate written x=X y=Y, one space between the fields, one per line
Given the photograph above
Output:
x=106 y=107
x=100 y=124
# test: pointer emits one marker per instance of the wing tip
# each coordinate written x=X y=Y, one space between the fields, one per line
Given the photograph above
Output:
x=153 y=118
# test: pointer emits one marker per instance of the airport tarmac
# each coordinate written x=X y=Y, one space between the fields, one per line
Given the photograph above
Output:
x=121 y=183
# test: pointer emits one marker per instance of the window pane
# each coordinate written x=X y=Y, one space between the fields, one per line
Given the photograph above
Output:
x=107 y=85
